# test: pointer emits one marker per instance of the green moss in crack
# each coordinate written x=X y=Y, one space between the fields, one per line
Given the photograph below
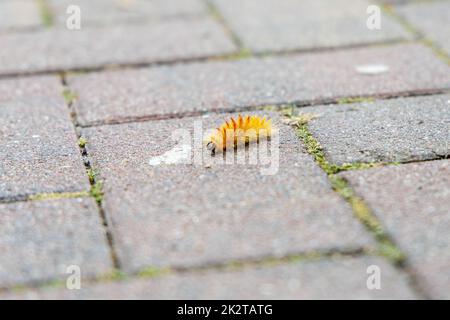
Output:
x=114 y=275
x=46 y=13
x=287 y=110
x=355 y=100
x=390 y=11
x=314 y=148
x=360 y=166
x=63 y=195
x=390 y=251
x=386 y=247
x=153 y=272
x=437 y=50
x=82 y=142
x=92 y=174
x=275 y=261
x=69 y=95
x=243 y=53
x=97 y=191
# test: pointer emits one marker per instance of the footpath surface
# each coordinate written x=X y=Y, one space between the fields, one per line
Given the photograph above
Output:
x=363 y=177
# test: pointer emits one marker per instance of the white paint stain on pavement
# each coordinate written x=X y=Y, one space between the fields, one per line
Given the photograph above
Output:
x=179 y=154
x=372 y=69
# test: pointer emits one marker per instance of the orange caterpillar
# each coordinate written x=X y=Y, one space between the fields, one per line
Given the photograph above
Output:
x=245 y=129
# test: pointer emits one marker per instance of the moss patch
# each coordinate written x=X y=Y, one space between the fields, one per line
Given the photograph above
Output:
x=63 y=195
x=386 y=246
x=437 y=50
x=389 y=10
x=82 y=142
x=314 y=148
x=97 y=191
x=46 y=13
x=360 y=209
x=243 y=53
x=153 y=272
x=114 y=275
x=355 y=100
x=92 y=175
x=69 y=96
x=363 y=165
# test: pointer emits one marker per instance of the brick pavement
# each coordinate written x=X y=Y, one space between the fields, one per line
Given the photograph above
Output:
x=91 y=175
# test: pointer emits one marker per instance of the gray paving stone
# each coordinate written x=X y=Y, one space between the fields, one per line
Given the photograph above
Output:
x=404 y=129
x=431 y=19
x=196 y=214
x=30 y=88
x=40 y=239
x=413 y=202
x=124 y=11
x=271 y=25
x=39 y=151
x=399 y=2
x=161 y=41
x=19 y=14
x=326 y=279
x=168 y=90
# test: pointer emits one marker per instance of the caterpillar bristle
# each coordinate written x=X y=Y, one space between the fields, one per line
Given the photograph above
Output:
x=248 y=128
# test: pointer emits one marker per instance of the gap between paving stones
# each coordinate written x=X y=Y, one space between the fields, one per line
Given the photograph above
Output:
x=71 y=95
x=217 y=15
x=48 y=20
x=232 y=265
x=387 y=248
x=54 y=13
x=48 y=15
x=389 y=10
x=45 y=13
x=96 y=191
x=440 y=53
x=241 y=54
x=46 y=196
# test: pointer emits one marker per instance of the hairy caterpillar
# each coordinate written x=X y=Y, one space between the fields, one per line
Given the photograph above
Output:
x=242 y=130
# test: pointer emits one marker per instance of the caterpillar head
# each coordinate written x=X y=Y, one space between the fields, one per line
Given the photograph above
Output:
x=215 y=143
x=211 y=146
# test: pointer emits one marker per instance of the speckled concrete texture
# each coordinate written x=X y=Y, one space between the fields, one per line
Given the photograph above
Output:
x=104 y=162
x=41 y=239
x=395 y=130
x=169 y=90
x=271 y=25
x=29 y=88
x=16 y=15
x=107 y=12
x=343 y=278
x=39 y=151
x=193 y=214
x=60 y=48
x=430 y=19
